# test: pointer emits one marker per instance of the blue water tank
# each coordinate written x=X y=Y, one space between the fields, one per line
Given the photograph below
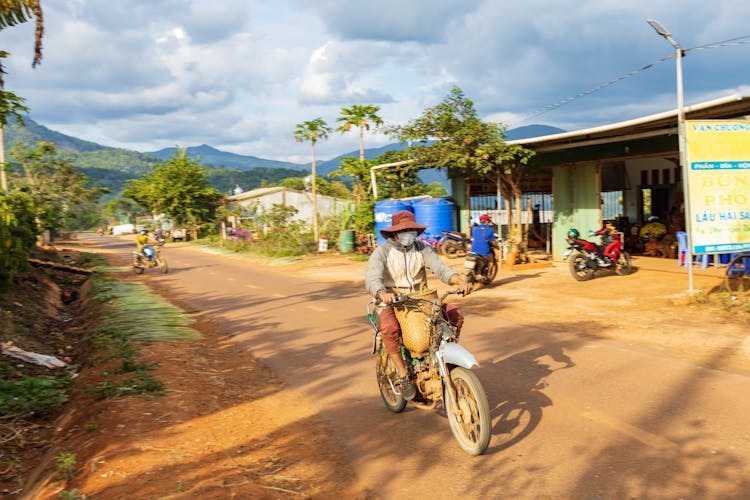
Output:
x=438 y=214
x=383 y=211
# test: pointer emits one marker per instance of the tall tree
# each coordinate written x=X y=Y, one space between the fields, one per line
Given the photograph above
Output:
x=10 y=106
x=177 y=187
x=312 y=131
x=360 y=116
x=13 y=12
x=56 y=186
x=462 y=141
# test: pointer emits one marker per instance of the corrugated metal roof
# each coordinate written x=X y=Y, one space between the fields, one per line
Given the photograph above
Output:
x=257 y=192
x=665 y=123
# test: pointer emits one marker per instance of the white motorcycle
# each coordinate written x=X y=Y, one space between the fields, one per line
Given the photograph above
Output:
x=439 y=366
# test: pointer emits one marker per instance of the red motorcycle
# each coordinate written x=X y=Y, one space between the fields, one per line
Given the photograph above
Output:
x=587 y=257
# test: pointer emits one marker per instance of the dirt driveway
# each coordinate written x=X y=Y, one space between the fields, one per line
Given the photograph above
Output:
x=229 y=428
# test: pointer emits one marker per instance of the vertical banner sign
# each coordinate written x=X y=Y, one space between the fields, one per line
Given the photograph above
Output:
x=718 y=158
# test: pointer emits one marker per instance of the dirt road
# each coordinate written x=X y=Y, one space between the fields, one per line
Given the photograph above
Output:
x=611 y=388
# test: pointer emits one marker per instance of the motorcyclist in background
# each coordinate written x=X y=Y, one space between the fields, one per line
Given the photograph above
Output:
x=142 y=239
x=606 y=248
x=483 y=242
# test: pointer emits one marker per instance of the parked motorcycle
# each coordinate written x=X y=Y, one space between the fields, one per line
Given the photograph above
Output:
x=455 y=244
x=586 y=257
x=482 y=269
x=147 y=258
x=439 y=366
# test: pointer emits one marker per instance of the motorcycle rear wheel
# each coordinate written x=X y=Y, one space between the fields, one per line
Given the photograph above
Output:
x=453 y=249
x=578 y=267
x=624 y=266
x=490 y=271
x=138 y=266
x=387 y=376
x=737 y=278
x=162 y=265
x=469 y=415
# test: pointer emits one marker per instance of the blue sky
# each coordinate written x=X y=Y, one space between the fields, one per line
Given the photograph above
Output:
x=239 y=75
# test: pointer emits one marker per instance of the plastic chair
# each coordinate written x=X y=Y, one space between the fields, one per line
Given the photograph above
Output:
x=682 y=251
x=744 y=265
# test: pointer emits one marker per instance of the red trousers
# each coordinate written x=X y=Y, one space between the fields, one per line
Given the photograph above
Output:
x=391 y=331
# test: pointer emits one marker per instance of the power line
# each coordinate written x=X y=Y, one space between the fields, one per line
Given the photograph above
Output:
x=726 y=43
x=742 y=40
x=591 y=90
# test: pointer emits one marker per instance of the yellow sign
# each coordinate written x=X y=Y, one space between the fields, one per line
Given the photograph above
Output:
x=718 y=159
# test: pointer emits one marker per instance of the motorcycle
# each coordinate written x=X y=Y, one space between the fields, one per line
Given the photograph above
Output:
x=488 y=265
x=147 y=258
x=439 y=366
x=586 y=257
x=454 y=244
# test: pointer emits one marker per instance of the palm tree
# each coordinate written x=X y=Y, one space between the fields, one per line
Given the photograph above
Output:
x=360 y=116
x=13 y=12
x=312 y=131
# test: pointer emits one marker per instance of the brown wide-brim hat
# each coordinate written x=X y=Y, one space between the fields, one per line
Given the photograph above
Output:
x=401 y=221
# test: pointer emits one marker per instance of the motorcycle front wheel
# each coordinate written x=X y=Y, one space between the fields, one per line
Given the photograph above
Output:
x=453 y=249
x=624 y=266
x=469 y=414
x=579 y=269
x=162 y=265
x=387 y=375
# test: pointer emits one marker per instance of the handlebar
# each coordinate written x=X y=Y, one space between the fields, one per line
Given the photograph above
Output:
x=400 y=299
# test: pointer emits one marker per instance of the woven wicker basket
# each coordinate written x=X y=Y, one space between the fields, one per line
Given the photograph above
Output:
x=415 y=322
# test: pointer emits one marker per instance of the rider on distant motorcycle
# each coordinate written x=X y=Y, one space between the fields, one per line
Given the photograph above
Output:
x=609 y=244
x=483 y=241
x=398 y=266
x=142 y=239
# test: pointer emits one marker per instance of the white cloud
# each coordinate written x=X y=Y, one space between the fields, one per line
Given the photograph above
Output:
x=239 y=75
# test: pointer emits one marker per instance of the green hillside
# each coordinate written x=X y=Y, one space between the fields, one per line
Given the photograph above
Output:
x=113 y=167
x=208 y=155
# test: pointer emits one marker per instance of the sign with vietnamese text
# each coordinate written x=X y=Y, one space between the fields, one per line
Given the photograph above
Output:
x=718 y=160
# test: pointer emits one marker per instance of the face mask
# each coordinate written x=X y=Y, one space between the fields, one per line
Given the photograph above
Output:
x=406 y=238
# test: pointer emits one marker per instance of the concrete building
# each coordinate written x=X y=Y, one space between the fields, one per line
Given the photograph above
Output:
x=261 y=200
x=636 y=161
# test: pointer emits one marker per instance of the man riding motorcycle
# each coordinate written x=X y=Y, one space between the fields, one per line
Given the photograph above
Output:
x=607 y=248
x=143 y=239
x=483 y=241
x=398 y=266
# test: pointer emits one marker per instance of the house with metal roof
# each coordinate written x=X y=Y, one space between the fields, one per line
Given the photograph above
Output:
x=632 y=166
x=261 y=200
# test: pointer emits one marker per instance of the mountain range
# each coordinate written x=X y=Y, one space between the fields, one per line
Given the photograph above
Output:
x=112 y=167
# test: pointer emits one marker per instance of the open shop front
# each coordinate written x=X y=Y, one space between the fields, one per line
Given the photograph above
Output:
x=627 y=172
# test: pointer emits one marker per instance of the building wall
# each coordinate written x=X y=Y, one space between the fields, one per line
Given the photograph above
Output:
x=577 y=203
x=302 y=201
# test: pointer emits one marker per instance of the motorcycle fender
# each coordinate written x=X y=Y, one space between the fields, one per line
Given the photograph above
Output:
x=456 y=354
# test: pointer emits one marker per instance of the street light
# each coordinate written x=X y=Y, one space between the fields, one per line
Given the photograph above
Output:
x=680 y=53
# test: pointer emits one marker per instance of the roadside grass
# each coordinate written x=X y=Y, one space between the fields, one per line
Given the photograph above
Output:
x=113 y=324
x=737 y=302
x=132 y=315
x=267 y=252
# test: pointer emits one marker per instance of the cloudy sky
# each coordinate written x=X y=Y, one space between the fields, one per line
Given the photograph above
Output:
x=240 y=74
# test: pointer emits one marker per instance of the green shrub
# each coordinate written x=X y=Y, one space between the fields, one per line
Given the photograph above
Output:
x=32 y=394
x=17 y=235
